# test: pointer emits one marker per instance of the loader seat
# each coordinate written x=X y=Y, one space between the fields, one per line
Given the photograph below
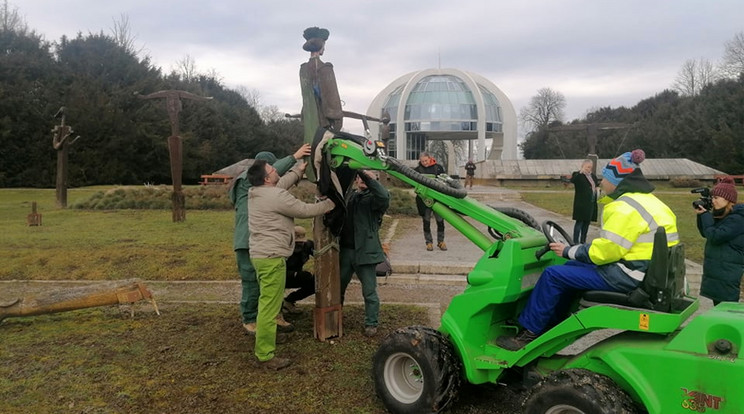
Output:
x=662 y=287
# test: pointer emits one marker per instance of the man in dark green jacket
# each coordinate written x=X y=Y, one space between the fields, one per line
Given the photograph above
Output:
x=361 y=249
x=238 y=193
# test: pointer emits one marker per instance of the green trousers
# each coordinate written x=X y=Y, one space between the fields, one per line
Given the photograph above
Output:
x=271 y=274
x=249 y=286
x=368 y=278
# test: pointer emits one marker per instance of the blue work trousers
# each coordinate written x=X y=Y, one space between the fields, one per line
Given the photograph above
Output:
x=554 y=292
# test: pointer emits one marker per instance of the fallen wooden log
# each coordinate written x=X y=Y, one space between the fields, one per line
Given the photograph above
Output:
x=100 y=294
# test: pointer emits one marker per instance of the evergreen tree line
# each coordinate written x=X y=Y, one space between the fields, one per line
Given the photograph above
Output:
x=123 y=139
x=707 y=128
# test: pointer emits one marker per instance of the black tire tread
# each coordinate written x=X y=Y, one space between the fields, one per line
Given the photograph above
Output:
x=603 y=394
x=428 y=343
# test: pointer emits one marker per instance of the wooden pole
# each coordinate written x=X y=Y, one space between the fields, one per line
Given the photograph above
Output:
x=110 y=293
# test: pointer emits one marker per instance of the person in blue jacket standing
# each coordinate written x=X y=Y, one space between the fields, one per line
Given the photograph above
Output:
x=723 y=229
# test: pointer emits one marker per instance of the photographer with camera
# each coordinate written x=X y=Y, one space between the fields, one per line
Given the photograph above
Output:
x=721 y=222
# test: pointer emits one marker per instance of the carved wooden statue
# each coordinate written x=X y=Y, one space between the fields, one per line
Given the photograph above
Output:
x=321 y=104
x=321 y=110
x=175 y=146
x=61 y=141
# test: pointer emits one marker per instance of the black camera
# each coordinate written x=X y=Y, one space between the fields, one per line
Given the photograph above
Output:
x=705 y=201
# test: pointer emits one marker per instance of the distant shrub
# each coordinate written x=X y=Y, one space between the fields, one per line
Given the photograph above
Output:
x=402 y=202
x=210 y=198
x=685 y=183
x=155 y=198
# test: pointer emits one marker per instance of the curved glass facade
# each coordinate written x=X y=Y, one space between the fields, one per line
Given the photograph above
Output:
x=442 y=105
x=494 y=122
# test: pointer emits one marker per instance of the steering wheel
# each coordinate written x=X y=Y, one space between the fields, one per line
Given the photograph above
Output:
x=555 y=234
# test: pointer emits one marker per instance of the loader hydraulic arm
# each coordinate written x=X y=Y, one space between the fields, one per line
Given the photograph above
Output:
x=451 y=203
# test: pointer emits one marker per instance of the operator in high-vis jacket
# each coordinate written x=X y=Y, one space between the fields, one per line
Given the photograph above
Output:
x=616 y=261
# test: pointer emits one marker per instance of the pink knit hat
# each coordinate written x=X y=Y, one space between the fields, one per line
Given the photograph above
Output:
x=725 y=189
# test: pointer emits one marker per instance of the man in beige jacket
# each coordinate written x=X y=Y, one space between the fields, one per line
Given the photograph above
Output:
x=272 y=210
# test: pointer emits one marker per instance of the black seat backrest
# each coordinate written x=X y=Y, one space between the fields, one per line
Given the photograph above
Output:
x=664 y=279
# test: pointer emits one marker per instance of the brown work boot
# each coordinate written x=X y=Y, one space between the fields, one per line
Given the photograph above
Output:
x=275 y=364
x=515 y=343
x=290 y=308
x=442 y=246
x=282 y=325
x=429 y=246
x=282 y=338
x=250 y=328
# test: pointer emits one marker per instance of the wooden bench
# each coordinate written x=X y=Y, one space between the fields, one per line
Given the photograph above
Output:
x=215 y=179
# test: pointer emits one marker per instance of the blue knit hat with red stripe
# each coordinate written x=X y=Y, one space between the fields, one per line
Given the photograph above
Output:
x=620 y=167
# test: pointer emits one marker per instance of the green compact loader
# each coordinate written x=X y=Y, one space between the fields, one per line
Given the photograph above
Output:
x=656 y=357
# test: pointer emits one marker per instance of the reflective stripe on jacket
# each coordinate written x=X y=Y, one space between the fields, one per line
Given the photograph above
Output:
x=628 y=227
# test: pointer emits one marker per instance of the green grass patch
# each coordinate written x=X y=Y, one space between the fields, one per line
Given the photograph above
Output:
x=192 y=359
x=103 y=244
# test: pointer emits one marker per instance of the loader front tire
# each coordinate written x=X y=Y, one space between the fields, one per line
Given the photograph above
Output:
x=415 y=370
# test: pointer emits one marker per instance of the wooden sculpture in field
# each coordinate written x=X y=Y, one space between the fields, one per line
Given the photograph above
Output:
x=61 y=142
x=175 y=146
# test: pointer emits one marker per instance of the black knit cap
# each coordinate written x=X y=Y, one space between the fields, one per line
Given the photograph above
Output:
x=315 y=38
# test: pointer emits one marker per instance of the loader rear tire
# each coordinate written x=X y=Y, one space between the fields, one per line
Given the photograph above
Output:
x=577 y=391
x=415 y=370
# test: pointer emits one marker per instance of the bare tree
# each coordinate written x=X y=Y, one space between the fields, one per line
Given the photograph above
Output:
x=213 y=74
x=694 y=76
x=186 y=68
x=545 y=107
x=253 y=96
x=11 y=20
x=733 y=57
x=122 y=33
x=270 y=113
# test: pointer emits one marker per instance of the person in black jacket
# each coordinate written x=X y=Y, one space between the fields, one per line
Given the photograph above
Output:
x=297 y=278
x=723 y=229
x=428 y=165
x=585 y=200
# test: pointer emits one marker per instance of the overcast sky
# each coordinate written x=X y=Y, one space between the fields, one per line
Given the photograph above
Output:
x=597 y=53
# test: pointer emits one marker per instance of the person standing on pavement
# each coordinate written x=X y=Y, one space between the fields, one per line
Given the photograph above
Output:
x=616 y=261
x=428 y=165
x=585 y=200
x=723 y=230
x=238 y=193
x=469 y=173
x=361 y=249
x=272 y=210
x=297 y=277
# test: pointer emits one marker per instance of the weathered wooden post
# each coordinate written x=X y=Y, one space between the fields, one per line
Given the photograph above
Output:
x=60 y=141
x=175 y=144
x=100 y=294
x=321 y=108
x=33 y=219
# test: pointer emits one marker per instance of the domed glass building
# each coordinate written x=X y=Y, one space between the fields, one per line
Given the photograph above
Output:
x=447 y=104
